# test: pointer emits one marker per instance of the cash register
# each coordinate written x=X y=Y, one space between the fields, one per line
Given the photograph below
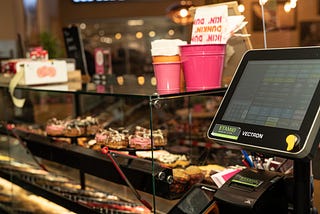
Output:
x=271 y=107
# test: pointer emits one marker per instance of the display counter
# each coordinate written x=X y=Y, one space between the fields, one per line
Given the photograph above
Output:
x=116 y=107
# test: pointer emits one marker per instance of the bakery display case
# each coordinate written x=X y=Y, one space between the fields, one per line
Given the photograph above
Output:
x=120 y=148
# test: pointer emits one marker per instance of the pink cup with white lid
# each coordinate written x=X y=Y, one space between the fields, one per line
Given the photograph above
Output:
x=168 y=77
x=166 y=64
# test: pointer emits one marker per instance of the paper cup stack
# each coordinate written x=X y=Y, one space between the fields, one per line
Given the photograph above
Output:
x=167 y=65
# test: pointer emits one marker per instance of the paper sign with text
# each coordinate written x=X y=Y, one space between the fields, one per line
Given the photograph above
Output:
x=210 y=25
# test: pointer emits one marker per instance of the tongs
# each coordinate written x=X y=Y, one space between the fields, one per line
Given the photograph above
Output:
x=110 y=155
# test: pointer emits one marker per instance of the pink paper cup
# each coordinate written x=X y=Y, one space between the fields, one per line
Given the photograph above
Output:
x=168 y=77
x=202 y=66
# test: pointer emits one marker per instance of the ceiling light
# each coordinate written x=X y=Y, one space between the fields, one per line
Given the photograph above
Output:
x=171 y=32
x=241 y=8
x=263 y=2
x=83 y=26
x=287 y=7
x=139 y=35
x=120 y=80
x=140 y=80
x=180 y=14
x=118 y=36
x=137 y=22
x=152 y=34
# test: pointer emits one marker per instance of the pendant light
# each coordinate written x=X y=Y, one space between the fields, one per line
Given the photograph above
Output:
x=179 y=13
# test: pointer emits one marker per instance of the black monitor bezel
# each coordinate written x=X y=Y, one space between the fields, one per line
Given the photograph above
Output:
x=308 y=131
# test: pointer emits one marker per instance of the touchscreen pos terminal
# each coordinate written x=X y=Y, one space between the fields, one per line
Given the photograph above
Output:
x=272 y=107
x=272 y=103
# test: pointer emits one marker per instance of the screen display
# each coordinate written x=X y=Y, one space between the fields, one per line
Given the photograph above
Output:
x=196 y=200
x=272 y=104
x=274 y=93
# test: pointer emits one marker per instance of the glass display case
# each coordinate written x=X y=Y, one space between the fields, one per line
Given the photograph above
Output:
x=81 y=174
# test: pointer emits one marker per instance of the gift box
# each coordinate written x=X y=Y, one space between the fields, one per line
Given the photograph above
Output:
x=41 y=72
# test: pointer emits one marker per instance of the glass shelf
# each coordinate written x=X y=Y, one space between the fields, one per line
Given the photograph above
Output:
x=112 y=90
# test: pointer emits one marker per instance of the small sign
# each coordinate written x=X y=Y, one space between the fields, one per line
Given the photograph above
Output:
x=74 y=47
x=210 y=25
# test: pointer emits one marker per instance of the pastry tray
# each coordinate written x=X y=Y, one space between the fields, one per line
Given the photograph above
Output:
x=76 y=200
x=141 y=172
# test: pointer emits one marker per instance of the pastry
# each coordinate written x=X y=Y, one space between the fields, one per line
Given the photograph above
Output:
x=141 y=139
x=55 y=127
x=139 y=142
x=30 y=128
x=195 y=173
x=165 y=158
x=209 y=170
x=96 y=147
x=180 y=175
x=74 y=128
x=180 y=181
x=82 y=141
x=159 y=138
x=91 y=124
x=101 y=136
x=116 y=139
x=100 y=140
x=178 y=163
x=111 y=138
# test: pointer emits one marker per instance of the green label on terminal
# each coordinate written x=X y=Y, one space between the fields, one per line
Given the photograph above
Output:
x=226 y=131
x=246 y=181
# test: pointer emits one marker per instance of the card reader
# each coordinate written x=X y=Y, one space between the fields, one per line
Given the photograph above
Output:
x=253 y=191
